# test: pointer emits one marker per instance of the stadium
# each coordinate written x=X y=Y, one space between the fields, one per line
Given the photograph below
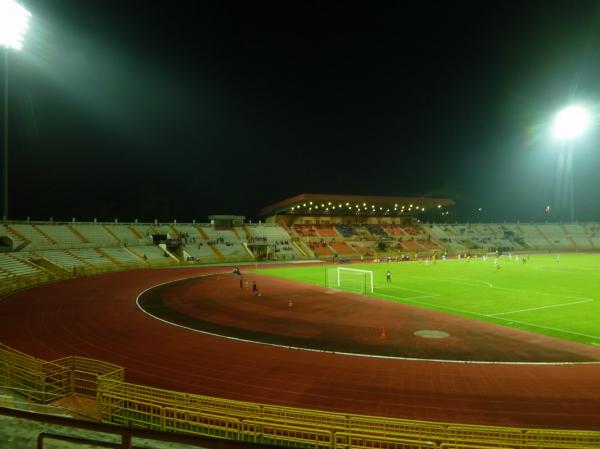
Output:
x=484 y=336
x=306 y=225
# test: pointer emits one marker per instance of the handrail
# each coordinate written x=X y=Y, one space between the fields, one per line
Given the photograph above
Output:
x=127 y=433
x=125 y=441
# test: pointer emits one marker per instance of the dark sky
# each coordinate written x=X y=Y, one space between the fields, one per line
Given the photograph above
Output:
x=183 y=109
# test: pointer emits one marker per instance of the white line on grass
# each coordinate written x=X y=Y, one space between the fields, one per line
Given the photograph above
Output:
x=542 y=307
x=466 y=312
x=472 y=283
x=595 y=337
x=408 y=298
x=516 y=290
x=544 y=294
x=437 y=306
x=395 y=287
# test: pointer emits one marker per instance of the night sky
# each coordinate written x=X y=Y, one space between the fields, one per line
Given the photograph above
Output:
x=178 y=110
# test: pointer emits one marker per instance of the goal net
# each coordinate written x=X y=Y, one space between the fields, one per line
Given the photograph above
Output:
x=351 y=279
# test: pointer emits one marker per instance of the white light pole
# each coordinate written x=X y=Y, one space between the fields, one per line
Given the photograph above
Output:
x=14 y=21
x=570 y=123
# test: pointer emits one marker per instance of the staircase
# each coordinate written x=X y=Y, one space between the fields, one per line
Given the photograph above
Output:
x=202 y=233
x=132 y=251
x=112 y=234
x=44 y=234
x=78 y=234
x=544 y=236
x=104 y=254
x=216 y=252
x=247 y=232
x=24 y=240
x=135 y=232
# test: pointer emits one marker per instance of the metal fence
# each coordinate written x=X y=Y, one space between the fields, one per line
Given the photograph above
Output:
x=142 y=407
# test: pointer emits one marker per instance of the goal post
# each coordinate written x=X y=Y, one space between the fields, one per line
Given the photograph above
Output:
x=350 y=279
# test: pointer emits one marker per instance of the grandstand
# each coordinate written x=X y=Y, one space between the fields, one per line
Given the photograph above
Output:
x=354 y=227
x=38 y=252
x=68 y=246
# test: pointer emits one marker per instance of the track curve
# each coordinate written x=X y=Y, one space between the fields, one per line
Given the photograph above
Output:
x=97 y=317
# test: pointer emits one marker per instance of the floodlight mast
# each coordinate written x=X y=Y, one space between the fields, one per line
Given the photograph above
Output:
x=14 y=22
x=569 y=124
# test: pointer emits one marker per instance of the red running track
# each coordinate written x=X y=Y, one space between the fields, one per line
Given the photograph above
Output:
x=98 y=317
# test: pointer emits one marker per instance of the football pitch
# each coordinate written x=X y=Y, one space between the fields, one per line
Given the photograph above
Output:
x=548 y=294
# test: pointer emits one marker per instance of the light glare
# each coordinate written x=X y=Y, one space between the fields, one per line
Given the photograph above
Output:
x=571 y=122
x=14 y=21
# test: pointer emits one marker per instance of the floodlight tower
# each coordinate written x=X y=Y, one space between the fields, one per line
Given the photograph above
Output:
x=14 y=22
x=569 y=124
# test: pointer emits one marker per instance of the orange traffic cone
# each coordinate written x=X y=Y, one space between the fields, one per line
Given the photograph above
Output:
x=383 y=334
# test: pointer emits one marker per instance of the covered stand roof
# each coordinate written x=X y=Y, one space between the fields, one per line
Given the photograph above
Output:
x=329 y=204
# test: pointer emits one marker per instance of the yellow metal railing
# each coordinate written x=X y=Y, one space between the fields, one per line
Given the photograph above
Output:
x=14 y=283
x=199 y=423
x=348 y=440
x=138 y=406
x=86 y=372
x=43 y=381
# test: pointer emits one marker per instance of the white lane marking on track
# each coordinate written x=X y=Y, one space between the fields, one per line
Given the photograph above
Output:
x=352 y=354
x=542 y=307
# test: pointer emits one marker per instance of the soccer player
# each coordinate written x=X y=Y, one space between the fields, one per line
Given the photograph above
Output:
x=388 y=276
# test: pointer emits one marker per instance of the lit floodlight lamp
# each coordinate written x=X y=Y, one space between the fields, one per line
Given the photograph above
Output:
x=14 y=22
x=571 y=122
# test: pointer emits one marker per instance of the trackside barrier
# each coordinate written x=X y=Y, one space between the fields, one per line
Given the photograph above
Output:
x=286 y=435
x=142 y=407
x=13 y=283
x=86 y=372
x=348 y=440
x=179 y=400
x=560 y=439
x=196 y=423
x=131 y=413
x=333 y=420
x=483 y=434
x=43 y=381
x=384 y=426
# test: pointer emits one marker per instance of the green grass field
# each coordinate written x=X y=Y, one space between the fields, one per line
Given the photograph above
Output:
x=548 y=295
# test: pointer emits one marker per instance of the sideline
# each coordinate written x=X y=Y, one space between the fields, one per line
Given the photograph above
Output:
x=543 y=307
